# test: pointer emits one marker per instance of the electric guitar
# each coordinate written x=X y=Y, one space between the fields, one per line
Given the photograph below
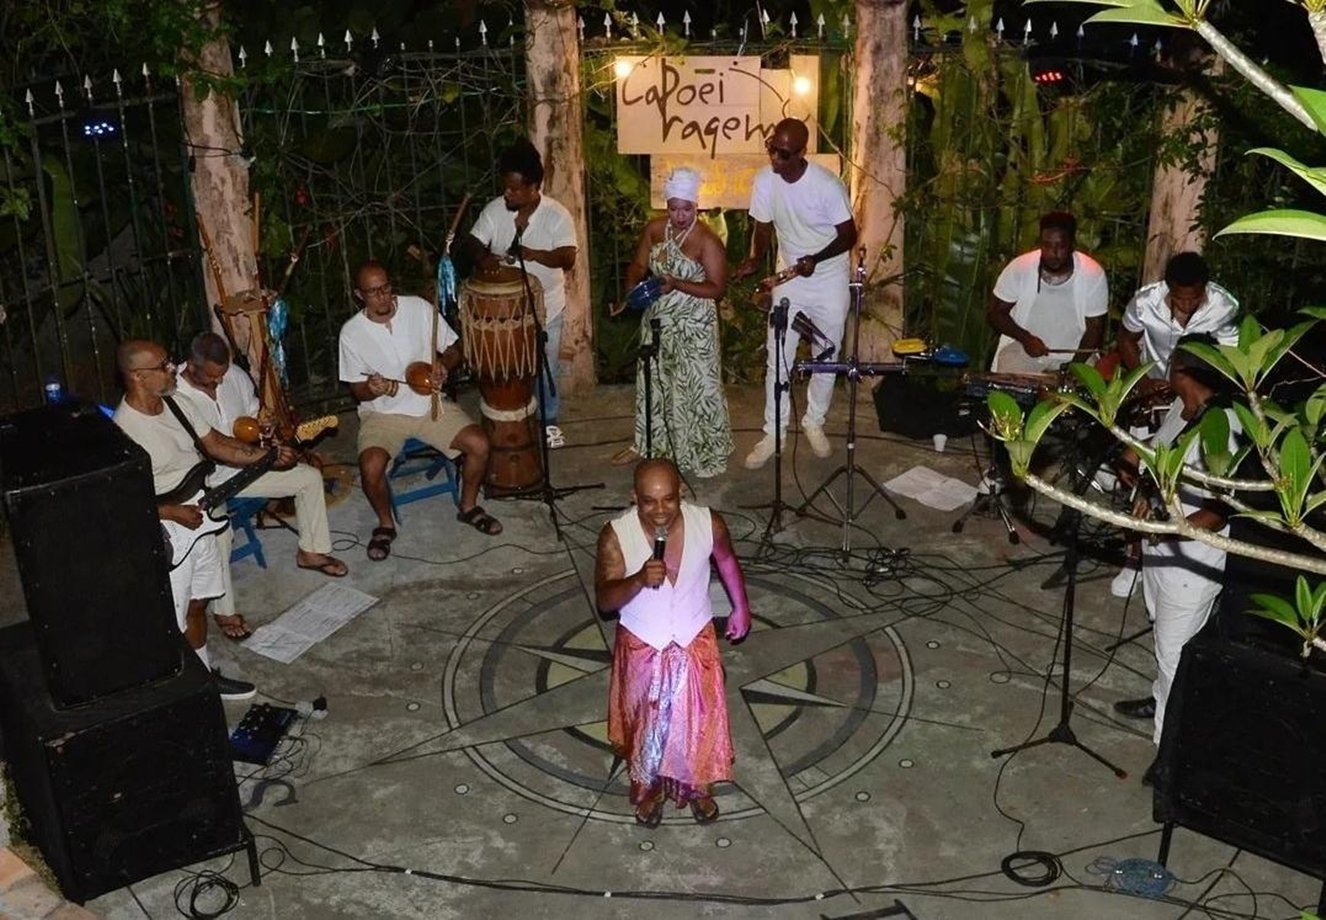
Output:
x=180 y=540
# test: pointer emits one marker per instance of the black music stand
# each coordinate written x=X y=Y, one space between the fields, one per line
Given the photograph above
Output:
x=991 y=502
x=1063 y=733
x=545 y=491
x=853 y=370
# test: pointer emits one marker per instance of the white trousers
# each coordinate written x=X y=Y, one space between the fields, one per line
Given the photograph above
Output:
x=305 y=484
x=1180 y=584
x=200 y=576
x=824 y=301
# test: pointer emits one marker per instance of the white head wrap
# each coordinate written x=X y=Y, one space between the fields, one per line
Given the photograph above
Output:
x=684 y=183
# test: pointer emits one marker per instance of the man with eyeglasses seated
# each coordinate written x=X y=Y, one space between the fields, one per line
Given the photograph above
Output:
x=222 y=392
x=1049 y=303
x=377 y=344
x=149 y=419
x=808 y=206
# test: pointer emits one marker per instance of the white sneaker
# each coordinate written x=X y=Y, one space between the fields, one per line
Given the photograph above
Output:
x=819 y=443
x=555 y=437
x=760 y=453
x=1125 y=583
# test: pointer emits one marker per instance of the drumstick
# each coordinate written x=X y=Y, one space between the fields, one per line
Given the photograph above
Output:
x=1071 y=351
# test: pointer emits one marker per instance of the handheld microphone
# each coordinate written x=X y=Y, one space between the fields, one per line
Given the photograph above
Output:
x=660 y=541
x=778 y=316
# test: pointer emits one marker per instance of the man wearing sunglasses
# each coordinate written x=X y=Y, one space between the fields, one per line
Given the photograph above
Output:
x=808 y=207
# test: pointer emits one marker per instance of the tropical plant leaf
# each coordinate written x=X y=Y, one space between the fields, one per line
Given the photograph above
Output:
x=1041 y=416
x=1089 y=377
x=1005 y=415
x=1276 y=609
x=1214 y=432
x=1283 y=222
x=1313 y=175
x=1314 y=312
x=1145 y=14
x=1249 y=331
x=1218 y=359
x=1287 y=341
x=1314 y=100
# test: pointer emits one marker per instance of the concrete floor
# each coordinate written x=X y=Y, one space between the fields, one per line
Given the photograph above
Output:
x=462 y=771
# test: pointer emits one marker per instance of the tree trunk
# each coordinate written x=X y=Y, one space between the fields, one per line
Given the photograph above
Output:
x=1176 y=194
x=879 y=164
x=556 y=127
x=219 y=180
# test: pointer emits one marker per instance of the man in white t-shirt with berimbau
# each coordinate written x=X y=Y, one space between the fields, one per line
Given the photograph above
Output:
x=809 y=207
x=528 y=229
x=377 y=345
x=1049 y=304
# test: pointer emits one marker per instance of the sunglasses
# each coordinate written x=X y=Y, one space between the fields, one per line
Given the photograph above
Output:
x=163 y=366
x=382 y=290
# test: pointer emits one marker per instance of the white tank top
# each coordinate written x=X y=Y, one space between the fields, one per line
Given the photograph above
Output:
x=671 y=612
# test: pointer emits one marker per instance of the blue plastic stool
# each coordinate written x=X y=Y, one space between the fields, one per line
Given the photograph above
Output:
x=242 y=511
x=418 y=457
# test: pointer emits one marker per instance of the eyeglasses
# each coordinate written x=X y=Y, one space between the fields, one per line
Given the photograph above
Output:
x=382 y=290
x=782 y=153
x=163 y=366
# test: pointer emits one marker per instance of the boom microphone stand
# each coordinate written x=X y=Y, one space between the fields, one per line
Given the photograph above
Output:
x=1063 y=732
x=545 y=491
x=776 y=507
x=853 y=369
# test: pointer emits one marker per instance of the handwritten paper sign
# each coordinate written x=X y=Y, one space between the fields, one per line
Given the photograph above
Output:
x=710 y=105
x=725 y=182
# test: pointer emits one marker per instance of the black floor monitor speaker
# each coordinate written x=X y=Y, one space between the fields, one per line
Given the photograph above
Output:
x=1242 y=751
x=82 y=514
x=127 y=787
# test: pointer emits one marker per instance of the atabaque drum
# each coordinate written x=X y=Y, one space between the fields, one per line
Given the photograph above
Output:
x=501 y=345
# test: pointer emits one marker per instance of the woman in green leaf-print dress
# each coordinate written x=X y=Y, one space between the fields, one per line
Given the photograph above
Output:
x=689 y=410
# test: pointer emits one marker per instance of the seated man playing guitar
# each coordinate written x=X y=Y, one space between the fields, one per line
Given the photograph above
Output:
x=222 y=393
x=156 y=422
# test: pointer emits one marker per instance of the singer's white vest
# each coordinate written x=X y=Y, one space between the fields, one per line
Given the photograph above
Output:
x=670 y=612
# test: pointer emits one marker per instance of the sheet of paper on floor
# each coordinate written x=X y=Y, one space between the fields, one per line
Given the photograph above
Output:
x=308 y=622
x=933 y=489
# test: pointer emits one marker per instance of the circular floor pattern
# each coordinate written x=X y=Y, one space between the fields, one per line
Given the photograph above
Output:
x=818 y=691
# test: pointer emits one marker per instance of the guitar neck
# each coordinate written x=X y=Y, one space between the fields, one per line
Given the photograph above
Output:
x=218 y=495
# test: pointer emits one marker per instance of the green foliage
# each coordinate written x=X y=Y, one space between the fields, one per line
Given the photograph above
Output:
x=1302 y=616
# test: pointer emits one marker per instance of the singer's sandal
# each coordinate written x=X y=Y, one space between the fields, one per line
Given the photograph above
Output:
x=704 y=810
x=480 y=520
x=649 y=813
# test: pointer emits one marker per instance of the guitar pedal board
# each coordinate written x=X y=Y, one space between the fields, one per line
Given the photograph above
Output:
x=256 y=736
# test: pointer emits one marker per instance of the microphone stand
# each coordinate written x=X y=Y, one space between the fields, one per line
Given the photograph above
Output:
x=648 y=352
x=777 y=506
x=544 y=491
x=1063 y=733
x=853 y=372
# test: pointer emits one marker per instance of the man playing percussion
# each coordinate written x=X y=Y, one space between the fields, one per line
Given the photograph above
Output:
x=528 y=229
x=377 y=344
x=1186 y=302
x=1048 y=303
x=809 y=208
x=222 y=393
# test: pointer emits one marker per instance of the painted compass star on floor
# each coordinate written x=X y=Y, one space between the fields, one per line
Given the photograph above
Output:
x=525 y=692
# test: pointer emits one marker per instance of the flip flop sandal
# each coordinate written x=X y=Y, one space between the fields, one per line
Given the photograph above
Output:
x=480 y=520
x=332 y=568
x=650 y=813
x=705 y=810
x=231 y=623
x=379 y=547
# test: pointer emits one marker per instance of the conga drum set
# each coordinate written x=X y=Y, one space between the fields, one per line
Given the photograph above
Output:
x=501 y=345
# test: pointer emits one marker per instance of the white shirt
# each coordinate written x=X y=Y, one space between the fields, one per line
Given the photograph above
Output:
x=806 y=214
x=672 y=612
x=235 y=397
x=550 y=227
x=388 y=349
x=169 y=446
x=1057 y=314
x=1149 y=314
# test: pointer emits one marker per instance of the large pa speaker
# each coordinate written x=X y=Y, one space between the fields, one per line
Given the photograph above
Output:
x=1242 y=750
x=78 y=495
x=124 y=788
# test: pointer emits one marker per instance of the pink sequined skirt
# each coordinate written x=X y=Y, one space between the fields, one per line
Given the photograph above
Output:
x=667 y=716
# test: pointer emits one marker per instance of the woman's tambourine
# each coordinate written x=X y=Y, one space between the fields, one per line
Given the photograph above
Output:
x=644 y=294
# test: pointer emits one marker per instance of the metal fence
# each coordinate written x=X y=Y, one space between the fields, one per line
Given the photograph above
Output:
x=96 y=235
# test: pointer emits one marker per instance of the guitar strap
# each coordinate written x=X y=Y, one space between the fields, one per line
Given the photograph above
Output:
x=184 y=420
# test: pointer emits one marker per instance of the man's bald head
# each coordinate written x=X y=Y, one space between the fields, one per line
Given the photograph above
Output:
x=134 y=353
x=794 y=131
x=657 y=469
